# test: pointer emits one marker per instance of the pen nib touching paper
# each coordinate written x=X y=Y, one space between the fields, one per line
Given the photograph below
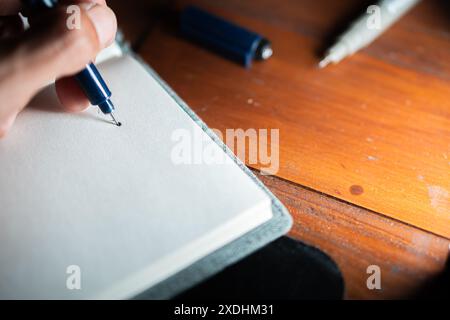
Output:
x=119 y=124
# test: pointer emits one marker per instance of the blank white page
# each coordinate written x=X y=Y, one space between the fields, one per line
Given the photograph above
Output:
x=77 y=190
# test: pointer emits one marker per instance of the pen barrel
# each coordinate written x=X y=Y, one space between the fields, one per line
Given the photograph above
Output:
x=372 y=24
x=95 y=88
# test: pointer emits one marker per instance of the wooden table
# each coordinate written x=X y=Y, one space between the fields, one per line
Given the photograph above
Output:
x=364 y=145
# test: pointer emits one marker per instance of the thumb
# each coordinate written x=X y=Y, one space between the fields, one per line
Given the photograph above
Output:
x=53 y=48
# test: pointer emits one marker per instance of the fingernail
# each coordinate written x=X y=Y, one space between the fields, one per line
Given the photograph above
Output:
x=104 y=22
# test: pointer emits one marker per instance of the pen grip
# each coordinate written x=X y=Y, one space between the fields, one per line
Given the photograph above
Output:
x=93 y=85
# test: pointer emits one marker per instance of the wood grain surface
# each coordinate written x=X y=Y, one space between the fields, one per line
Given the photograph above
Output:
x=371 y=132
x=356 y=238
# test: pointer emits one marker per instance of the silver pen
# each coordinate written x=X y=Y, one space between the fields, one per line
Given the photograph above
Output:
x=367 y=28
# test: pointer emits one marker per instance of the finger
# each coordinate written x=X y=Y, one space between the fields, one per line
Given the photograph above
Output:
x=34 y=18
x=70 y=95
x=101 y=2
x=48 y=53
x=29 y=12
x=69 y=92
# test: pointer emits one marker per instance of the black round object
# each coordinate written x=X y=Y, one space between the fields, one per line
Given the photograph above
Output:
x=284 y=269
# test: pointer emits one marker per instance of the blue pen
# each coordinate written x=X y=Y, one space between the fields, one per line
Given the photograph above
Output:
x=89 y=79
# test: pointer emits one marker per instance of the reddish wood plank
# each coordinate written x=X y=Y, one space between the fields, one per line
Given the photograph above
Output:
x=357 y=238
x=365 y=124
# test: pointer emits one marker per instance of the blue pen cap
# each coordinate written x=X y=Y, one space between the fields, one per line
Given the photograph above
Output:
x=224 y=37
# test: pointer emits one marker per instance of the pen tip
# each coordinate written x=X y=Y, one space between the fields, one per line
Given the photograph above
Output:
x=114 y=120
x=326 y=61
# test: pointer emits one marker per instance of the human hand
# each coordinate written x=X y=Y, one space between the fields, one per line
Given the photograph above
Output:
x=49 y=50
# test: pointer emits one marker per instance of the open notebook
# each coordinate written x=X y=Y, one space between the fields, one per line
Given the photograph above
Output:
x=82 y=197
